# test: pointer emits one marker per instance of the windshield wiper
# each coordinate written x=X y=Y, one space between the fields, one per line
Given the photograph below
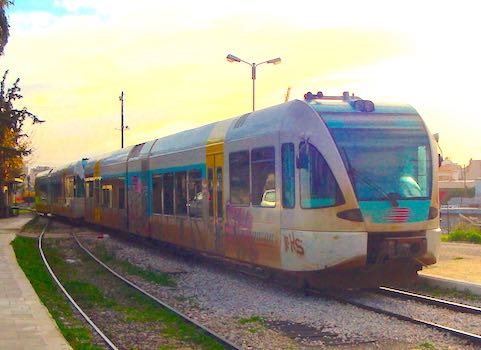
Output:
x=392 y=197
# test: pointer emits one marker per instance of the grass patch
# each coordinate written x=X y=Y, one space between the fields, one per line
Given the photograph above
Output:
x=72 y=329
x=458 y=258
x=160 y=278
x=256 y=324
x=442 y=292
x=96 y=289
x=427 y=345
x=252 y=319
x=470 y=234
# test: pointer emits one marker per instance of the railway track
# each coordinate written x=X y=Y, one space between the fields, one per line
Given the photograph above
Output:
x=226 y=343
x=402 y=294
x=349 y=298
x=346 y=298
x=107 y=341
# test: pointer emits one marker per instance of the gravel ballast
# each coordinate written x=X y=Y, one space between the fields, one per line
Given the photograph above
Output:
x=258 y=315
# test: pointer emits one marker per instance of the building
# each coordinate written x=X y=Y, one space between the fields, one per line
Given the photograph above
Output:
x=33 y=174
x=473 y=170
x=450 y=171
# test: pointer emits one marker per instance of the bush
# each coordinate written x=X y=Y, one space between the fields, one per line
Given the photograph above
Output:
x=470 y=234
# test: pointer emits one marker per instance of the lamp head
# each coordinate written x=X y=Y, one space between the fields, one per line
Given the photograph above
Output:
x=232 y=58
x=275 y=60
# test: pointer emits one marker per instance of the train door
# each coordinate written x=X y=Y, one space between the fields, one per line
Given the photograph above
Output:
x=137 y=190
x=215 y=177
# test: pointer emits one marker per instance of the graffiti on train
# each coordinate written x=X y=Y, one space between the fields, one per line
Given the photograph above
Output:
x=293 y=244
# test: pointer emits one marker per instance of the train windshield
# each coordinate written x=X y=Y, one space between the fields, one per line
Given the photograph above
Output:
x=387 y=157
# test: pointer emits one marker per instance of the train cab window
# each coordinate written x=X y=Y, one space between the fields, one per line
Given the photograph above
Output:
x=157 y=194
x=196 y=197
x=239 y=178
x=181 y=193
x=288 y=180
x=168 y=187
x=318 y=185
x=263 y=177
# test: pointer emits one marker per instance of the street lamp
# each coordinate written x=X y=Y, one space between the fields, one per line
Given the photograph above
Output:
x=232 y=58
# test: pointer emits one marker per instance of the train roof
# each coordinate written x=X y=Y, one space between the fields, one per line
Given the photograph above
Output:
x=341 y=106
x=254 y=124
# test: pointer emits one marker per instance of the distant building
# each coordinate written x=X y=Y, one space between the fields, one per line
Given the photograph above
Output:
x=33 y=174
x=473 y=170
x=450 y=171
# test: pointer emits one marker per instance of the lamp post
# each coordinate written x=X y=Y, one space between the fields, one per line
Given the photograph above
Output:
x=232 y=58
x=121 y=99
x=122 y=126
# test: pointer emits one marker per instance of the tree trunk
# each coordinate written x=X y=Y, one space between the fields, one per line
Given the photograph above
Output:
x=4 y=209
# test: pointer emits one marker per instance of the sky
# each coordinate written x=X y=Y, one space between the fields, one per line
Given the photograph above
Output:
x=75 y=57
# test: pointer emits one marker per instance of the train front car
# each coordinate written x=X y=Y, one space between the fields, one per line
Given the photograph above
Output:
x=390 y=160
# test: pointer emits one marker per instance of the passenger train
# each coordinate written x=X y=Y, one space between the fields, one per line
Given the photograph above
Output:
x=333 y=190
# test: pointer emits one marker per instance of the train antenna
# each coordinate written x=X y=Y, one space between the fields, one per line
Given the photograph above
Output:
x=288 y=93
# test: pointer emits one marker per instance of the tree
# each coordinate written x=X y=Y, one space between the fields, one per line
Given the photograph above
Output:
x=4 y=32
x=13 y=142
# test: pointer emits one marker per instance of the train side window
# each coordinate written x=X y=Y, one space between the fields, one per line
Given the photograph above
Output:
x=107 y=196
x=210 y=176
x=168 y=187
x=263 y=177
x=122 y=195
x=318 y=185
x=195 y=193
x=239 y=177
x=288 y=180
x=79 y=189
x=87 y=189
x=181 y=193
x=157 y=194
x=219 y=193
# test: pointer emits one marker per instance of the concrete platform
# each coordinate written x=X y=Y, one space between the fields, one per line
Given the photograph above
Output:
x=459 y=267
x=450 y=283
x=25 y=322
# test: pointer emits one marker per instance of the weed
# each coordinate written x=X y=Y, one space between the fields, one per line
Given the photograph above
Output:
x=442 y=292
x=252 y=319
x=458 y=258
x=427 y=345
x=470 y=234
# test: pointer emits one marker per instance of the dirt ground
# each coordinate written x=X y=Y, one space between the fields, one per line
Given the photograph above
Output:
x=461 y=261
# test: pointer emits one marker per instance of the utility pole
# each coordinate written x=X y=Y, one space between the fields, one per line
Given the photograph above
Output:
x=121 y=98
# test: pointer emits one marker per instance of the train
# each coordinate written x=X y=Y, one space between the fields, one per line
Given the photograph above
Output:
x=328 y=190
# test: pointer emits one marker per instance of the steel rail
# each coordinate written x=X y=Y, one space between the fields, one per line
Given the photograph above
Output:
x=226 y=343
x=69 y=297
x=475 y=338
x=429 y=300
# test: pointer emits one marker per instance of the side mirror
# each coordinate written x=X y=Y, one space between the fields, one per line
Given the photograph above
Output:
x=440 y=160
x=302 y=161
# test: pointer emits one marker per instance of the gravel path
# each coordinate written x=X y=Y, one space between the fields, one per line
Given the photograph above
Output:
x=226 y=301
